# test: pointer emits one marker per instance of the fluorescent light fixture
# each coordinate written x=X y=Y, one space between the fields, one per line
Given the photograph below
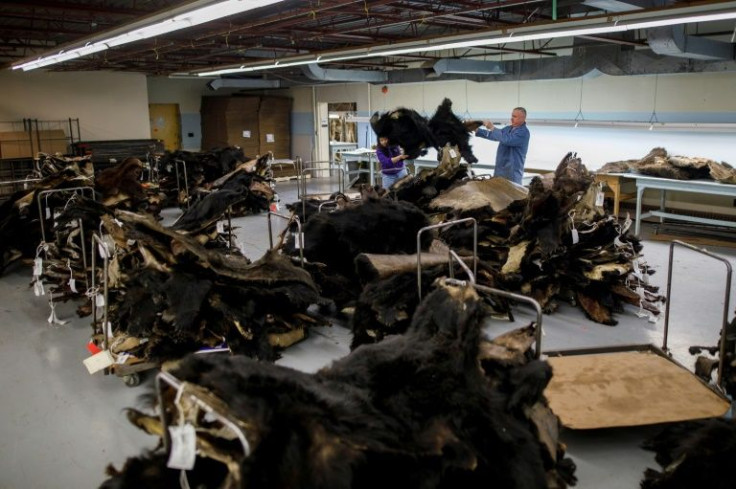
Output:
x=579 y=27
x=276 y=64
x=184 y=20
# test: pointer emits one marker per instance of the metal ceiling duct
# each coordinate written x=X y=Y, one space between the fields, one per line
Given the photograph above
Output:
x=673 y=41
x=315 y=72
x=243 y=83
x=467 y=67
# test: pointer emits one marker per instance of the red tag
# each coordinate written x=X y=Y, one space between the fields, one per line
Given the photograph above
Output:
x=93 y=349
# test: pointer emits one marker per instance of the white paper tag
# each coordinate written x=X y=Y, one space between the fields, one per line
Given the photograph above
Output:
x=48 y=213
x=100 y=300
x=453 y=154
x=575 y=236
x=73 y=285
x=38 y=288
x=220 y=227
x=37 y=267
x=599 y=199
x=102 y=248
x=53 y=319
x=183 y=447
x=298 y=240
x=98 y=361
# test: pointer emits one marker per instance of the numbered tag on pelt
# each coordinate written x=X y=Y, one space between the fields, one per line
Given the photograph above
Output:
x=183 y=447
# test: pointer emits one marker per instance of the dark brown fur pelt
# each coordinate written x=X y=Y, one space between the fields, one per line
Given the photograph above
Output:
x=120 y=181
x=414 y=410
x=406 y=128
x=693 y=454
x=447 y=128
x=377 y=226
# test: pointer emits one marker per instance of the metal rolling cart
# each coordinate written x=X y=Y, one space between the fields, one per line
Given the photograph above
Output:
x=130 y=374
x=634 y=385
x=302 y=184
x=299 y=239
x=49 y=215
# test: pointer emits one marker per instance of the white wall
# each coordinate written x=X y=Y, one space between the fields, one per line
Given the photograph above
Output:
x=691 y=97
x=108 y=105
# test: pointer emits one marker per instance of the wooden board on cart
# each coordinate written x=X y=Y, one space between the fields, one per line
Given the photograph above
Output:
x=627 y=388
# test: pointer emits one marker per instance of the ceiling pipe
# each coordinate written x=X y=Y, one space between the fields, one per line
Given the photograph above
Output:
x=243 y=83
x=315 y=72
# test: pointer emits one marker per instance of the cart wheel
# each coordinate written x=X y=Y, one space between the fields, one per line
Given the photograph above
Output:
x=132 y=380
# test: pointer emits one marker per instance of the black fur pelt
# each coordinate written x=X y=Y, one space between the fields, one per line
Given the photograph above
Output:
x=407 y=128
x=446 y=128
x=693 y=454
x=386 y=306
x=412 y=411
x=377 y=226
x=150 y=472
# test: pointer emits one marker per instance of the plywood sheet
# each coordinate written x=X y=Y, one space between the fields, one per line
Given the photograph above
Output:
x=631 y=388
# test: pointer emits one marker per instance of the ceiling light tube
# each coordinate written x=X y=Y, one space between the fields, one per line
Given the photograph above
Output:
x=171 y=24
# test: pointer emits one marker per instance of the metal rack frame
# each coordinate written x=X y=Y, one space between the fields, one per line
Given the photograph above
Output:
x=727 y=296
x=131 y=373
x=446 y=224
x=293 y=218
x=165 y=378
x=41 y=218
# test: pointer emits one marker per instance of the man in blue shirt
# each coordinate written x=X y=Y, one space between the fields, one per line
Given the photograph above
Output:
x=513 y=144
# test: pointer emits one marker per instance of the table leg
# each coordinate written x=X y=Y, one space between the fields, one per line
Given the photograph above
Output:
x=616 y=188
x=639 y=194
x=662 y=198
x=373 y=176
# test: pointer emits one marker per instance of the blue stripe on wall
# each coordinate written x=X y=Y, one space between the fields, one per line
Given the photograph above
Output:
x=191 y=123
x=302 y=123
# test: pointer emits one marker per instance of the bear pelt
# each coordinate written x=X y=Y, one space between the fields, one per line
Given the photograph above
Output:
x=693 y=454
x=121 y=181
x=446 y=128
x=415 y=410
x=380 y=226
x=405 y=127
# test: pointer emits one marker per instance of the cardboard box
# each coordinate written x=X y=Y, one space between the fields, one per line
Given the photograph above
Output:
x=254 y=123
x=15 y=144
x=21 y=144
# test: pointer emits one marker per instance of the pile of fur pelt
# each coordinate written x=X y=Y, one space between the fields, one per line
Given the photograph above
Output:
x=658 y=163
x=206 y=171
x=333 y=240
x=120 y=187
x=558 y=242
x=176 y=290
x=693 y=454
x=185 y=295
x=20 y=222
x=437 y=407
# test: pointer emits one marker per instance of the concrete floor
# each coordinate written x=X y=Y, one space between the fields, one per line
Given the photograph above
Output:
x=61 y=426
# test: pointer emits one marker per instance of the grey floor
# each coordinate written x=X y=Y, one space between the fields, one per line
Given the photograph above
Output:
x=62 y=426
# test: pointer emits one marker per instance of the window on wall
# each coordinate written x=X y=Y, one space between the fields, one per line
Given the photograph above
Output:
x=342 y=131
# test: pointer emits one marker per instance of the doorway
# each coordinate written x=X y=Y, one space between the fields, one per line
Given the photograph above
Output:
x=343 y=135
x=165 y=122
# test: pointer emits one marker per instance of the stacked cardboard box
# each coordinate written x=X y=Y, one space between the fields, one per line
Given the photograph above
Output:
x=22 y=144
x=257 y=124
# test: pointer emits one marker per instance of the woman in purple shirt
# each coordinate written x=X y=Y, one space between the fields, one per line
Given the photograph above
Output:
x=392 y=162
